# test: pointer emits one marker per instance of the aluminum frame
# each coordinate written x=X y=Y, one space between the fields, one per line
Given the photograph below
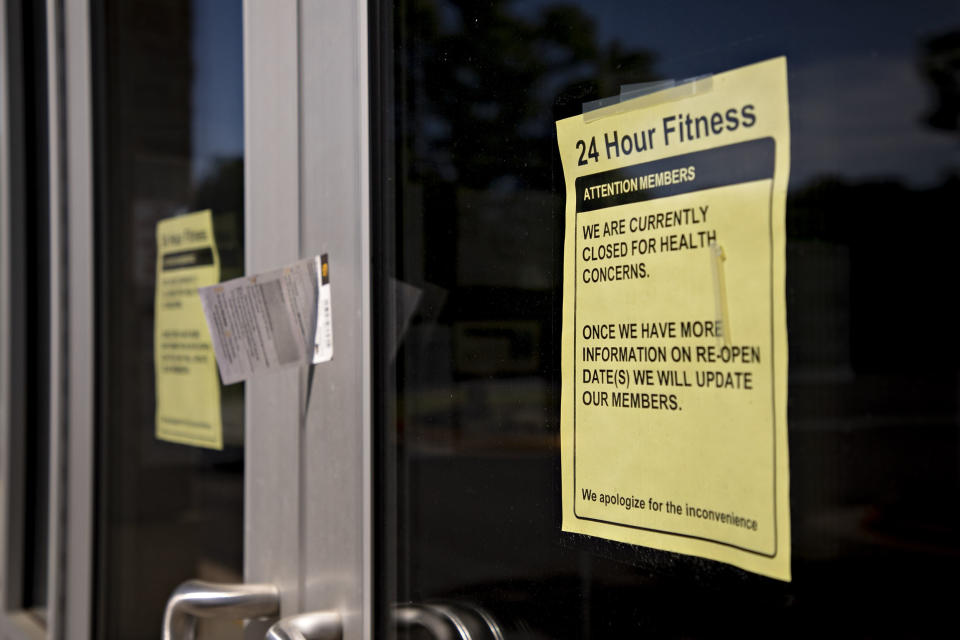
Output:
x=335 y=218
x=71 y=334
x=307 y=186
x=271 y=221
x=75 y=601
x=58 y=305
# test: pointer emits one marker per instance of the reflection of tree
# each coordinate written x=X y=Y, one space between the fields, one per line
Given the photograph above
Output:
x=487 y=78
x=222 y=188
x=901 y=254
x=222 y=192
x=941 y=65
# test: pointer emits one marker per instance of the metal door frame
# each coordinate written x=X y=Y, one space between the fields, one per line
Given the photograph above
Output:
x=307 y=186
x=271 y=236
x=71 y=334
x=335 y=215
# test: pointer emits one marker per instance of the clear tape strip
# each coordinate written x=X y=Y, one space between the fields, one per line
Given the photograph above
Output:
x=646 y=94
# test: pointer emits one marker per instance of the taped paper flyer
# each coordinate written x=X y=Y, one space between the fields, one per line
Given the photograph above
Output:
x=271 y=321
x=188 y=392
x=674 y=349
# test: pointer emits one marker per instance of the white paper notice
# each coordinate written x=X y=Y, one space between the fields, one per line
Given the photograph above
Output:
x=271 y=321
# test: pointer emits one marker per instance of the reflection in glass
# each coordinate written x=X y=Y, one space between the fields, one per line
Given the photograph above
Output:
x=469 y=191
x=170 y=140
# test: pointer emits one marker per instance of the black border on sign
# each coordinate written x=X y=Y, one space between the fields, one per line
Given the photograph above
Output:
x=773 y=374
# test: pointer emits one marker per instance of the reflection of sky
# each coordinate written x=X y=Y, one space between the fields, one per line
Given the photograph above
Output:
x=217 y=121
x=868 y=123
x=856 y=91
x=857 y=96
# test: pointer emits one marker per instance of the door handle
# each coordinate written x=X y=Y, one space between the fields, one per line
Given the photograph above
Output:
x=448 y=621
x=200 y=599
x=319 y=625
x=425 y=617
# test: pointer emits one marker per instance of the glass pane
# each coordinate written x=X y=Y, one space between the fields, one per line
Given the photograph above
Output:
x=37 y=433
x=29 y=302
x=469 y=193
x=169 y=102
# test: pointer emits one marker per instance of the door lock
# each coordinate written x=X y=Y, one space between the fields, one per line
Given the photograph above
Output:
x=448 y=621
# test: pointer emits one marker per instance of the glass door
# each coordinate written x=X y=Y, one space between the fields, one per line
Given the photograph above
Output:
x=169 y=141
x=200 y=496
x=232 y=108
x=468 y=221
x=150 y=126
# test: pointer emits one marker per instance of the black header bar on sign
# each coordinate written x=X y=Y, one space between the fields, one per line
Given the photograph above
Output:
x=731 y=164
x=187 y=259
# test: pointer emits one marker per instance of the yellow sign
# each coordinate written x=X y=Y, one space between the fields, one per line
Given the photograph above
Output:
x=188 y=390
x=674 y=358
